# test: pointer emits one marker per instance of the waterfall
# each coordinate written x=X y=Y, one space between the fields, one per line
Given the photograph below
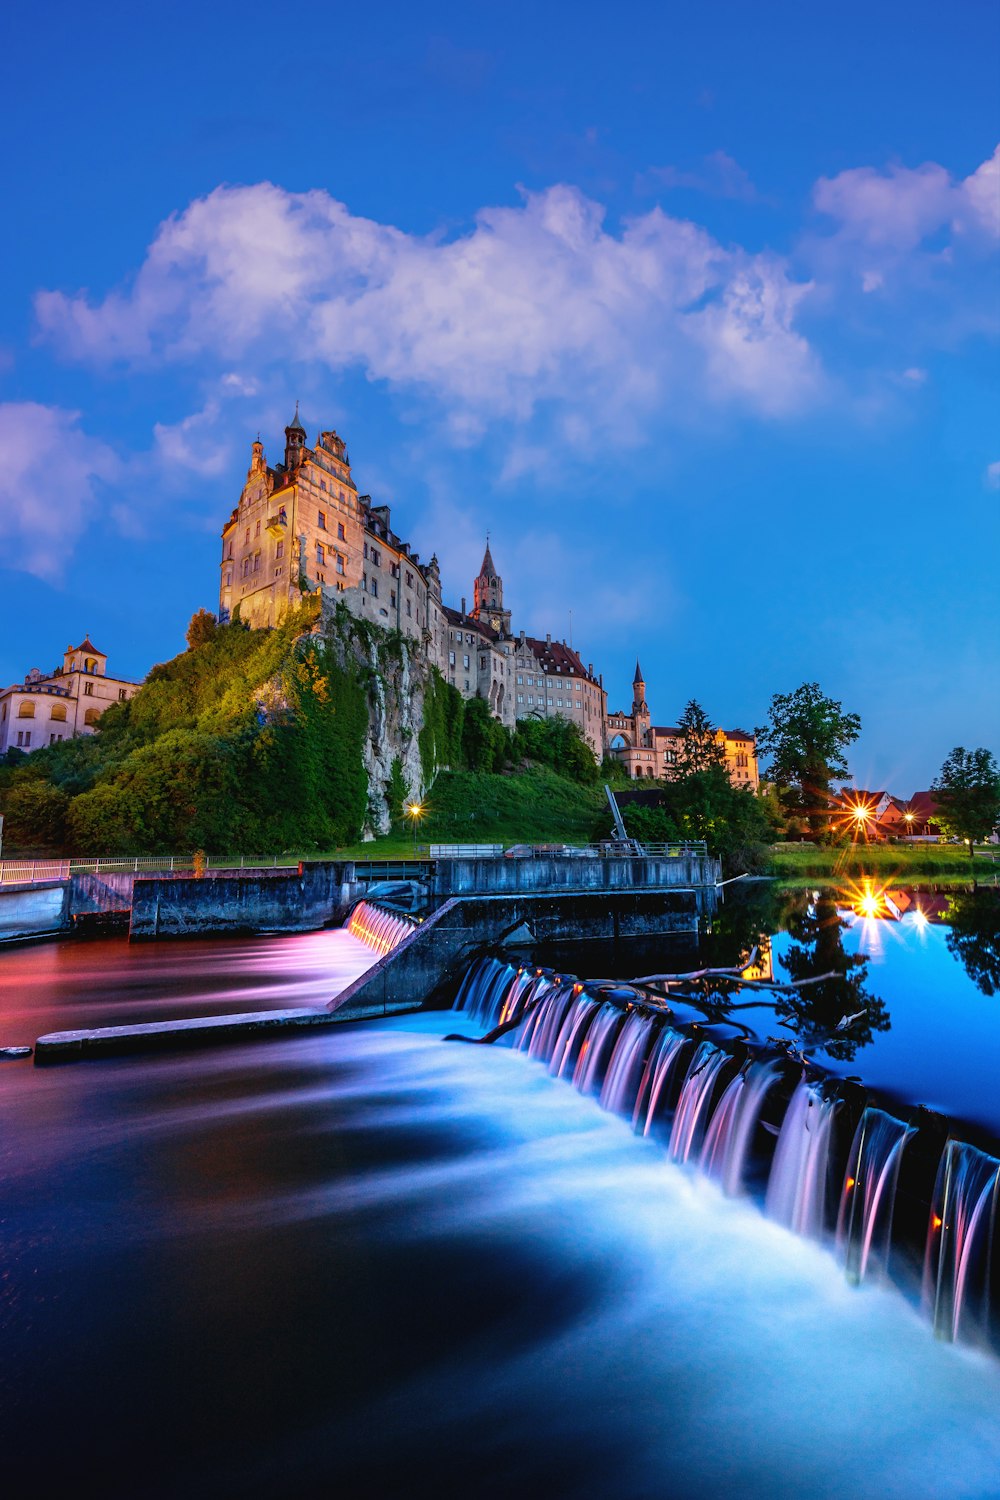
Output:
x=655 y=1087
x=731 y=1131
x=797 y=1186
x=540 y=1032
x=691 y=1115
x=572 y=1035
x=958 y=1258
x=597 y=1048
x=624 y=1075
x=380 y=929
x=864 y=1222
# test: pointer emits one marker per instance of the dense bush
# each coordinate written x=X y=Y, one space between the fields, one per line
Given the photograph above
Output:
x=732 y=820
x=557 y=743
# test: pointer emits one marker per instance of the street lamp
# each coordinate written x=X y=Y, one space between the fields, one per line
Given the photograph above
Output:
x=414 y=811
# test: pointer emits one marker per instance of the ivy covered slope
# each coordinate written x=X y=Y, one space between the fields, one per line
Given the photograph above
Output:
x=248 y=742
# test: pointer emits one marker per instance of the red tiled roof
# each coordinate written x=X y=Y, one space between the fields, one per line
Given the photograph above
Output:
x=466 y=622
x=557 y=657
x=88 y=645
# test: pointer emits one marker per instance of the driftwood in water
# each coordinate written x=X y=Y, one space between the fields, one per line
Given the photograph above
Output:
x=498 y=1031
x=735 y=969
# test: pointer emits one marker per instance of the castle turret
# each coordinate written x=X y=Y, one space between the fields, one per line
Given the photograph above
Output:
x=295 y=441
x=640 y=708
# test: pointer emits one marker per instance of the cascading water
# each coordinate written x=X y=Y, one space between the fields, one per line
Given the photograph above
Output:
x=734 y=1121
x=797 y=1185
x=598 y=1045
x=624 y=1075
x=380 y=929
x=614 y=1047
x=693 y=1107
x=655 y=1087
x=864 y=1222
x=959 y=1254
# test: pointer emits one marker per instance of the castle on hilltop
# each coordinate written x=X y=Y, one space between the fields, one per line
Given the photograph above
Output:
x=301 y=525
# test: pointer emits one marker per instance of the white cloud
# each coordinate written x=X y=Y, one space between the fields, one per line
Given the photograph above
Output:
x=50 y=477
x=884 y=216
x=992 y=475
x=539 y=303
x=915 y=375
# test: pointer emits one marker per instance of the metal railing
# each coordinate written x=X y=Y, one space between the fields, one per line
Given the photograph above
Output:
x=33 y=871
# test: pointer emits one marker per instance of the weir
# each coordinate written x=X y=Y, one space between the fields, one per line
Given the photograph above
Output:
x=722 y=1108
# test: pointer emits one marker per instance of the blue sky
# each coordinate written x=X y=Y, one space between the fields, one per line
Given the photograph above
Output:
x=695 y=308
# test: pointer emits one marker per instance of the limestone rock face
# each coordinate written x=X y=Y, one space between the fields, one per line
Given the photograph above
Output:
x=396 y=674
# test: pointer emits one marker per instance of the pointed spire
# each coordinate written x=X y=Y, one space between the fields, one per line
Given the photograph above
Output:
x=489 y=567
x=295 y=424
x=638 y=673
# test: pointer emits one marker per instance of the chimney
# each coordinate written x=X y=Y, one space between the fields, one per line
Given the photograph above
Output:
x=590 y=669
x=463 y=609
x=548 y=640
x=522 y=637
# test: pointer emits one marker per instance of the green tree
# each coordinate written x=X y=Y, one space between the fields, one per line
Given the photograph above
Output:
x=700 y=750
x=34 y=815
x=967 y=792
x=201 y=629
x=485 y=742
x=706 y=805
x=806 y=737
x=558 y=743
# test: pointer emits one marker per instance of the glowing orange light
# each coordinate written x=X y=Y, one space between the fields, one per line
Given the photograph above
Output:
x=849 y=1183
x=937 y=1222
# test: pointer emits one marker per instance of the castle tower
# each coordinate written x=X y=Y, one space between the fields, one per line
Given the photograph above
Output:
x=258 y=463
x=640 y=708
x=487 y=596
x=295 y=441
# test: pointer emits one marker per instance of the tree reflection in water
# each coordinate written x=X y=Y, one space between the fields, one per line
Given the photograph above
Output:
x=817 y=1011
x=814 y=1011
x=973 y=936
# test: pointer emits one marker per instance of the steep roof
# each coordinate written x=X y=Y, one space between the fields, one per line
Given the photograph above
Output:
x=466 y=622
x=557 y=657
x=489 y=567
x=88 y=645
x=638 y=674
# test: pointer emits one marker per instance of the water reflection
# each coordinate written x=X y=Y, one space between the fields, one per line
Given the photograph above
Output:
x=973 y=936
x=838 y=1012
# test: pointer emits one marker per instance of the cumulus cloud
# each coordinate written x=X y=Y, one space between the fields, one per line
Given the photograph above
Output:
x=881 y=217
x=537 y=303
x=50 y=479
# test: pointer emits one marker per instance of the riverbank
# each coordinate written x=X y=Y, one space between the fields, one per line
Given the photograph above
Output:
x=943 y=864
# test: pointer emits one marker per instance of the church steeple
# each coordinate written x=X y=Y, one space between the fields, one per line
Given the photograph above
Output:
x=487 y=595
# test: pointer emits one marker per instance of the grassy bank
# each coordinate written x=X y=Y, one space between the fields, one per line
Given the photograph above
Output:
x=478 y=807
x=941 y=863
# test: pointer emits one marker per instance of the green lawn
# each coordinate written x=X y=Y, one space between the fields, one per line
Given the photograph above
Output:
x=938 y=862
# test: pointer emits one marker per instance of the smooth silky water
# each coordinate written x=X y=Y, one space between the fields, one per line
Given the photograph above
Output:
x=374 y=1259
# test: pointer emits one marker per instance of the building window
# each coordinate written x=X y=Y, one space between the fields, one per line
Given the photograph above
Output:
x=531 y=699
x=122 y=695
x=246 y=542
x=520 y=697
x=520 y=682
x=451 y=658
x=320 y=554
x=340 y=531
x=91 y=716
x=59 y=711
x=376 y=557
x=24 y=738
x=366 y=549
x=483 y=663
x=466 y=684
x=465 y=662
x=256 y=562
x=26 y=709
x=88 y=688
x=392 y=598
x=257 y=529
x=340 y=563
x=409 y=609
x=409 y=580
x=279 y=550
x=322 y=485
x=322 y=518
x=373 y=588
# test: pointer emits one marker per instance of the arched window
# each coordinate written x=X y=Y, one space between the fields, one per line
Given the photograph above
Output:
x=58 y=712
x=91 y=716
x=89 y=664
x=26 y=709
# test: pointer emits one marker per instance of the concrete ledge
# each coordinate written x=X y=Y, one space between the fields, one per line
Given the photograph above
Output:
x=197 y=1031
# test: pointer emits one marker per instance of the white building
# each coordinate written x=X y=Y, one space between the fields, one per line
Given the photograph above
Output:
x=68 y=702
